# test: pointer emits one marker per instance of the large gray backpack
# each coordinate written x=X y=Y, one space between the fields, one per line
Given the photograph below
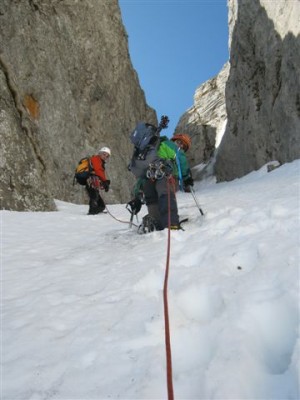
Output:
x=146 y=140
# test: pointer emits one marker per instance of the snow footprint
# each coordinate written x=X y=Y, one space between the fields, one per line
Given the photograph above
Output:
x=201 y=304
x=193 y=313
x=150 y=285
x=273 y=328
x=89 y=358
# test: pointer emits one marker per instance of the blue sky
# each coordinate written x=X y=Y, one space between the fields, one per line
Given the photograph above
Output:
x=175 y=46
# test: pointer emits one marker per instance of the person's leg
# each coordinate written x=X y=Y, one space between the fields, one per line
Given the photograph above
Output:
x=153 y=211
x=100 y=204
x=94 y=203
x=151 y=200
x=162 y=191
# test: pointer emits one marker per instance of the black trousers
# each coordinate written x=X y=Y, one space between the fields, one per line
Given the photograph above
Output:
x=96 y=202
x=156 y=197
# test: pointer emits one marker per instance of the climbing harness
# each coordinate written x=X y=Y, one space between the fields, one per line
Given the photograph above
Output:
x=159 y=169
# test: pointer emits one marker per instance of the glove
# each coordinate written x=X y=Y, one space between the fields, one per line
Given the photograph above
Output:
x=189 y=181
x=135 y=205
x=105 y=185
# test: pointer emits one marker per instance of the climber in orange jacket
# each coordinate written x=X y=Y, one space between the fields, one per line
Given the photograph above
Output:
x=98 y=181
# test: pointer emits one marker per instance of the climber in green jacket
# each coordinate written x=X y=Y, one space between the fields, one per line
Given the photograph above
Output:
x=175 y=149
x=168 y=171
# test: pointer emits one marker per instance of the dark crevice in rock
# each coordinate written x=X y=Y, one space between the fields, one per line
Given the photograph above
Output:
x=15 y=98
x=278 y=79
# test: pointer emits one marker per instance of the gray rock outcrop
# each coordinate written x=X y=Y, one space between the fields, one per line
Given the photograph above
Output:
x=258 y=95
x=263 y=88
x=67 y=88
x=205 y=121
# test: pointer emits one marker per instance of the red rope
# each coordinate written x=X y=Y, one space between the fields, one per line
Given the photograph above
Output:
x=166 y=309
x=165 y=295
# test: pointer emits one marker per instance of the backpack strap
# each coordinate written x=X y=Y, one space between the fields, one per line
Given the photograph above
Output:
x=91 y=169
x=141 y=155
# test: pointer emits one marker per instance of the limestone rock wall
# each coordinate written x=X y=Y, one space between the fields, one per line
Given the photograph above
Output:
x=67 y=88
x=257 y=93
x=263 y=88
x=205 y=120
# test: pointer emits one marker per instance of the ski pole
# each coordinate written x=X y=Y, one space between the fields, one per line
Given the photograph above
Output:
x=196 y=201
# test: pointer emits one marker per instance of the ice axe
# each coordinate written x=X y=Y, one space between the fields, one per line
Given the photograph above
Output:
x=134 y=206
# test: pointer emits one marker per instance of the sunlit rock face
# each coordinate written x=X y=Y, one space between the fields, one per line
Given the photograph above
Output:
x=263 y=88
x=249 y=114
x=67 y=88
x=205 y=120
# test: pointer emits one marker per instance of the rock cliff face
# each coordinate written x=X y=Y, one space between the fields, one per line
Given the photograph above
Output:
x=67 y=88
x=263 y=88
x=258 y=95
x=205 y=120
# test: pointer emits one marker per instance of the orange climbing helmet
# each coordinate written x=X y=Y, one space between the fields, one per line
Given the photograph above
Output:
x=184 y=138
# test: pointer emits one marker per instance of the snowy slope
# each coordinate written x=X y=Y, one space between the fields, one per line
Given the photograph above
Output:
x=83 y=308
